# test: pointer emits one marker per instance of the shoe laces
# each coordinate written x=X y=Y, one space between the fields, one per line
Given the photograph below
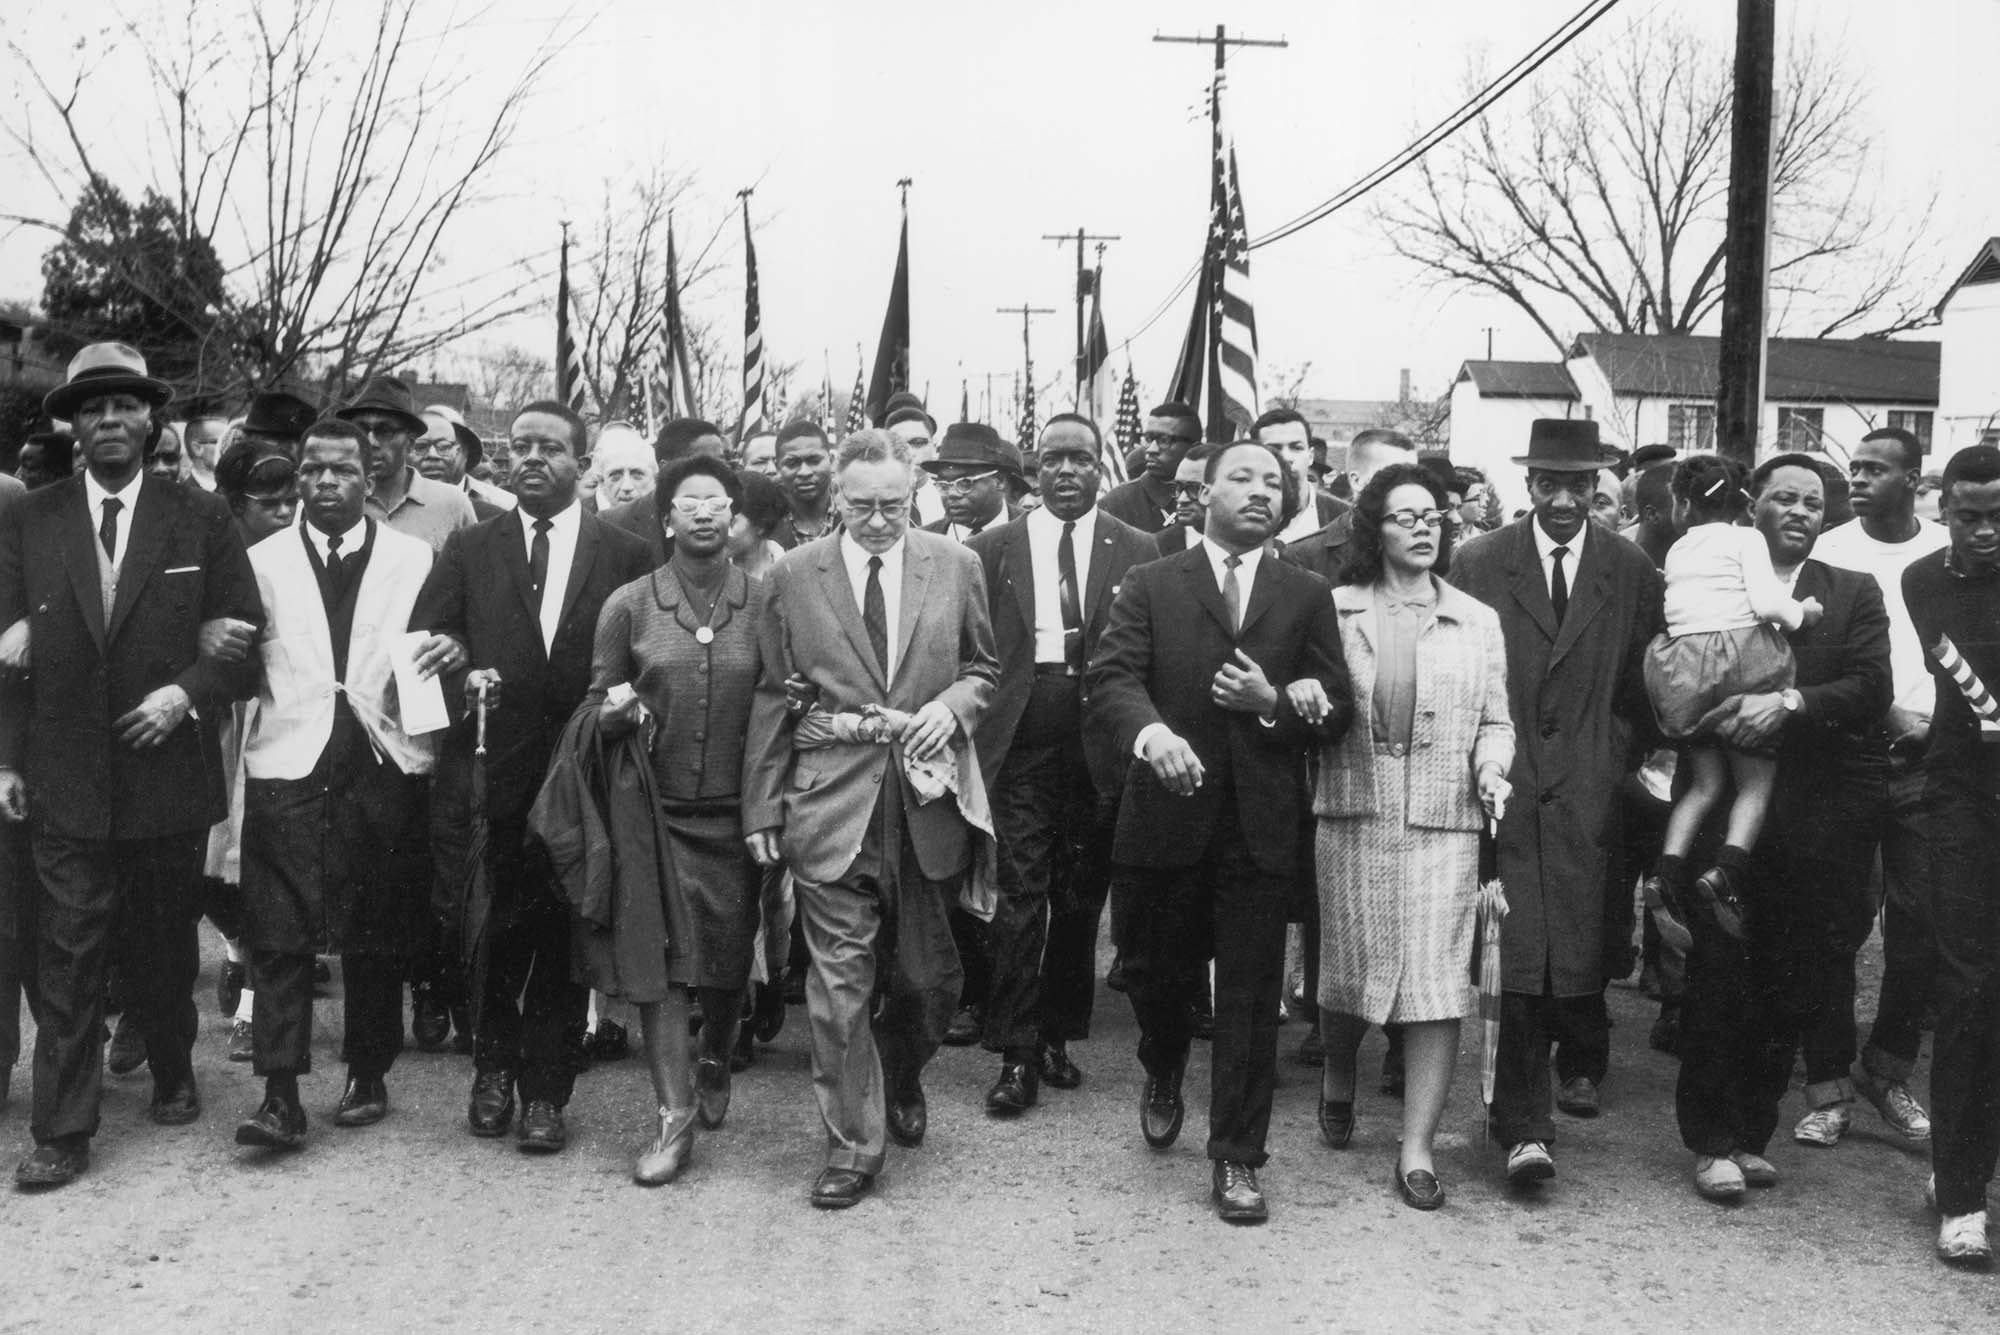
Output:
x=1238 y=1175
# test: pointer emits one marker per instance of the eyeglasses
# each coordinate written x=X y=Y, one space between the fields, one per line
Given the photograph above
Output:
x=1412 y=518
x=435 y=445
x=1162 y=438
x=1187 y=491
x=702 y=507
x=890 y=511
x=960 y=486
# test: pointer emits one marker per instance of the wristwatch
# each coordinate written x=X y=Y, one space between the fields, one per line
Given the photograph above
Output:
x=1791 y=700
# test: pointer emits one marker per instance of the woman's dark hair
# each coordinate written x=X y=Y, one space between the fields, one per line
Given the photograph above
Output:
x=696 y=465
x=1364 y=549
x=765 y=504
x=1712 y=486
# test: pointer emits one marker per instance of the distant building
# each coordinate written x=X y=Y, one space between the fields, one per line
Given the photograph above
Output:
x=1338 y=421
x=24 y=360
x=1492 y=405
x=1969 y=371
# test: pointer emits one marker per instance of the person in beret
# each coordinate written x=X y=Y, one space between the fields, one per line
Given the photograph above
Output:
x=1577 y=607
x=122 y=784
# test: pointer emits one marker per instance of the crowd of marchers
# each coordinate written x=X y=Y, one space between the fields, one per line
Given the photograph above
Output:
x=882 y=726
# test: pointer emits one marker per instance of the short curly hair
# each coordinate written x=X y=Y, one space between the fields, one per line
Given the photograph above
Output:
x=1363 y=564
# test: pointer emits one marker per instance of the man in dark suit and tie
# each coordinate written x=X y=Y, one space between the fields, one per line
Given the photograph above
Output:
x=885 y=616
x=518 y=597
x=1187 y=685
x=105 y=749
x=1051 y=577
x=977 y=476
x=1577 y=606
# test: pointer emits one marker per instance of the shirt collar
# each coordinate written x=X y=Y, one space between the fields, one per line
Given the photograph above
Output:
x=856 y=556
x=1545 y=545
x=1218 y=557
x=350 y=541
x=1042 y=521
x=563 y=523
x=95 y=492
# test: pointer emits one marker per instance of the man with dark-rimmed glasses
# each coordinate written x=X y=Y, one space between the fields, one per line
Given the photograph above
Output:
x=1147 y=501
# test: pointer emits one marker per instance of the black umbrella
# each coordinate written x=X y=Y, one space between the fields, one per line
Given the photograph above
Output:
x=476 y=903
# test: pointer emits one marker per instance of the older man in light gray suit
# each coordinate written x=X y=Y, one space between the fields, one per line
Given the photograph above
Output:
x=875 y=614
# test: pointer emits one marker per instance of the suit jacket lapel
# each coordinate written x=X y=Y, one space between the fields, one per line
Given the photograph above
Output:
x=1099 y=579
x=839 y=595
x=1201 y=578
x=79 y=557
x=916 y=585
x=1589 y=591
x=1017 y=566
x=1530 y=589
x=579 y=567
x=151 y=525
x=511 y=534
x=1263 y=591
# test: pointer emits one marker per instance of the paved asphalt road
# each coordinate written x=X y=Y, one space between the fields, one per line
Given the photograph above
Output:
x=1062 y=1220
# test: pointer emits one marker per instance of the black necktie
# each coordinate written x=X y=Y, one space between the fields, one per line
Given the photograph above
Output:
x=333 y=561
x=875 y=614
x=107 y=528
x=538 y=559
x=1072 y=611
x=1559 y=586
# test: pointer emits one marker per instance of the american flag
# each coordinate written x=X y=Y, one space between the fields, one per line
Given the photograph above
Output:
x=1232 y=401
x=753 y=337
x=1125 y=434
x=569 y=362
x=857 y=405
x=1028 y=427
x=675 y=371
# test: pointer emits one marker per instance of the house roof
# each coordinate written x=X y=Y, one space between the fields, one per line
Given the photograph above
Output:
x=1985 y=268
x=1519 y=380
x=1854 y=370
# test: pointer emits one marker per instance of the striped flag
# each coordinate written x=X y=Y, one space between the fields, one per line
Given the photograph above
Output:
x=1028 y=427
x=675 y=370
x=1124 y=432
x=753 y=338
x=857 y=406
x=1217 y=371
x=569 y=362
x=1984 y=707
x=825 y=414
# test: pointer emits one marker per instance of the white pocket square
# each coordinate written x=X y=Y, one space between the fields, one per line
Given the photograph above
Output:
x=181 y=570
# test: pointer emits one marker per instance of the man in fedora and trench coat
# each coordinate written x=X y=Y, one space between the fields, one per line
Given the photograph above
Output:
x=1577 y=606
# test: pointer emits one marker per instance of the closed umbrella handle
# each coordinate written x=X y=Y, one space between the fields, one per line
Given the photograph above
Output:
x=479 y=721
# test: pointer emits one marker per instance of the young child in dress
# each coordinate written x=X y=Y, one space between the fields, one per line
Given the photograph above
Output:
x=1724 y=607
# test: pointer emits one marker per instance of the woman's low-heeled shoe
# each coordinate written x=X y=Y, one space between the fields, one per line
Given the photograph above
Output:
x=670 y=1151
x=1336 y=1122
x=1420 y=1187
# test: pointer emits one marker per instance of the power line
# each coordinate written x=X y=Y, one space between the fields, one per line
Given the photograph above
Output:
x=1542 y=52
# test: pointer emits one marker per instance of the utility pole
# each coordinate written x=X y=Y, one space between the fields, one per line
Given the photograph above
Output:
x=1027 y=313
x=1085 y=286
x=1739 y=405
x=1489 y=343
x=1221 y=40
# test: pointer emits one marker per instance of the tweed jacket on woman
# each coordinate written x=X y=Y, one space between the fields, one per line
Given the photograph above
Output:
x=1461 y=721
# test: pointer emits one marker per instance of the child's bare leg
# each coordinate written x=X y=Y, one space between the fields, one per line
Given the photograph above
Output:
x=1710 y=770
x=1755 y=777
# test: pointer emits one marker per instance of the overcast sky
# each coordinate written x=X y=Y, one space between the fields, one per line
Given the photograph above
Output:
x=1038 y=116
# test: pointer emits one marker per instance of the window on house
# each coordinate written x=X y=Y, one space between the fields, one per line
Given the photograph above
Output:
x=1801 y=428
x=1691 y=427
x=1917 y=424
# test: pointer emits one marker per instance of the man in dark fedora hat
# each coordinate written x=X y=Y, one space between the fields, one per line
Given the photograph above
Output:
x=1577 y=606
x=976 y=474
x=399 y=496
x=118 y=781
x=278 y=418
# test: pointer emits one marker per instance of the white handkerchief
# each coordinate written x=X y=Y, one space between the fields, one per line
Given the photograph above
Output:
x=419 y=699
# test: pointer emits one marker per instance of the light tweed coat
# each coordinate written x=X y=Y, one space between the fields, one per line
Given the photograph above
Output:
x=1461 y=722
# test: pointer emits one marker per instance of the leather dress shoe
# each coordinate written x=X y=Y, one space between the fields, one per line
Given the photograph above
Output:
x=1015 y=1091
x=1578 y=1097
x=1161 y=1110
x=838 y=1188
x=711 y=1091
x=1237 y=1198
x=965 y=1028
x=767 y=1015
x=229 y=982
x=671 y=1151
x=127 y=1052
x=364 y=1102
x=54 y=1164
x=608 y=1042
x=492 y=1107
x=278 y=1124
x=1420 y=1187
x=1336 y=1122
x=1201 y=1019
x=322 y=976
x=175 y=1104
x=909 y=1117
x=542 y=1129
x=1058 y=1071
x=430 y=1020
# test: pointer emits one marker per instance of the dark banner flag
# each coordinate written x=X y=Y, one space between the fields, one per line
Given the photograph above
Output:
x=892 y=351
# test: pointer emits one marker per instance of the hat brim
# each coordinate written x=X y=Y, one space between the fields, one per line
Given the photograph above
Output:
x=64 y=400
x=468 y=440
x=1564 y=465
x=416 y=424
x=936 y=467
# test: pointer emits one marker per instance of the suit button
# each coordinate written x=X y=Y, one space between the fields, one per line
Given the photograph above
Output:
x=701 y=737
x=876 y=779
x=1548 y=730
x=1548 y=797
x=704 y=669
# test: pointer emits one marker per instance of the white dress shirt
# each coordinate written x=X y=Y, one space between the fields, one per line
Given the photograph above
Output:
x=563 y=528
x=351 y=542
x=128 y=496
x=1545 y=547
x=856 y=557
x=1044 y=538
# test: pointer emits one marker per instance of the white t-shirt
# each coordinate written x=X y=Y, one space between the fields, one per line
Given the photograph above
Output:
x=1719 y=577
x=1850 y=548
